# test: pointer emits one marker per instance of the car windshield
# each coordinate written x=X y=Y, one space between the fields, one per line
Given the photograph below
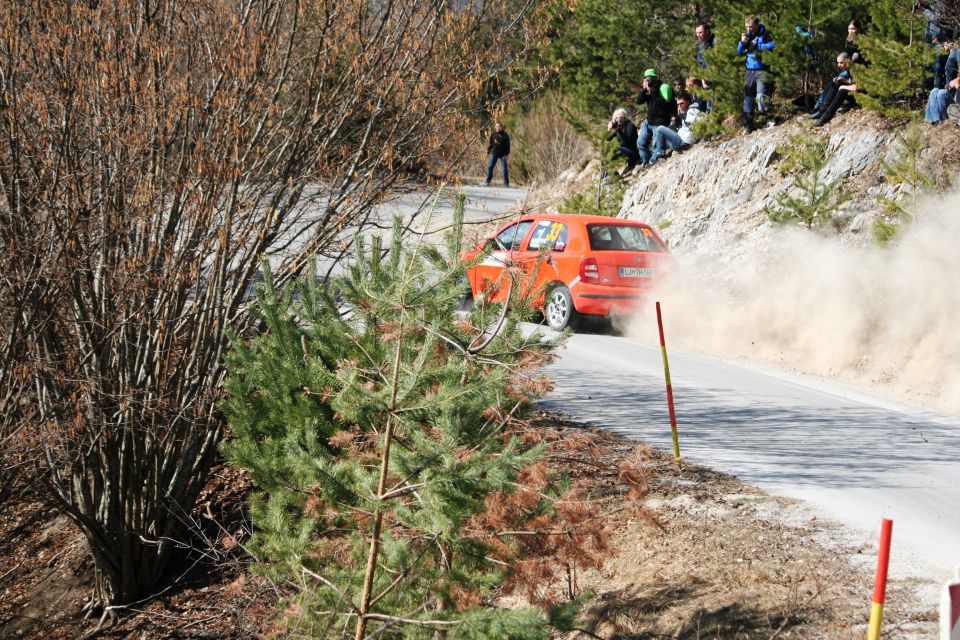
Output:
x=511 y=237
x=622 y=237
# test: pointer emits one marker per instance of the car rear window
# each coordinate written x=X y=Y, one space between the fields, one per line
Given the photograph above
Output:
x=621 y=237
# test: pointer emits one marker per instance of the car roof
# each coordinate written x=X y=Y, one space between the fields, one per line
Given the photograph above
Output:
x=582 y=217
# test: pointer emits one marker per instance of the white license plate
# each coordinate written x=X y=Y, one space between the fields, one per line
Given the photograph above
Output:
x=636 y=272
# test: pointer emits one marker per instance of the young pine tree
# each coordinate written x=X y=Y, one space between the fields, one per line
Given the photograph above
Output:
x=376 y=429
x=811 y=200
x=906 y=169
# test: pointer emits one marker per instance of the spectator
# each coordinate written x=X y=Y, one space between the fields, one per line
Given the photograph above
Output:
x=855 y=57
x=498 y=149
x=626 y=132
x=661 y=109
x=681 y=135
x=705 y=41
x=693 y=87
x=752 y=44
x=841 y=89
x=940 y=99
x=935 y=35
x=850 y=47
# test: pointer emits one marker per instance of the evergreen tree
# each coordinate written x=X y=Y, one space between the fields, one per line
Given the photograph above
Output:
x=602 y=49
x=895 y=47
x=377 y=430
x=907 y=170
x=810 y=200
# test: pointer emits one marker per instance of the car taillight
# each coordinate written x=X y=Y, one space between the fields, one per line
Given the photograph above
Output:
x=589 y=270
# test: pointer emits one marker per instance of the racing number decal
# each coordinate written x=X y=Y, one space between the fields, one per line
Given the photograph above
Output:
x=554 y=232
x=547 y=233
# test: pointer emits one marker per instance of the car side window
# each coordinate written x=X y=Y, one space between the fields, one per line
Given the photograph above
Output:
x=548 y=235
x=511 y=237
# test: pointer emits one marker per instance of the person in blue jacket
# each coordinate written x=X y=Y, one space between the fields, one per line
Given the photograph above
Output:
x=756 y=85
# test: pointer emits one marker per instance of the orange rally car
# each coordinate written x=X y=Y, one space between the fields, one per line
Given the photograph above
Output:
x=577 y=265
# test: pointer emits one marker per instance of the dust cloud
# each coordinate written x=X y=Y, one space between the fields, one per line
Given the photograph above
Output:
x=884 y=318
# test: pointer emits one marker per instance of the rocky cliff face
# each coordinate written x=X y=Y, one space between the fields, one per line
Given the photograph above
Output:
x=713 y=196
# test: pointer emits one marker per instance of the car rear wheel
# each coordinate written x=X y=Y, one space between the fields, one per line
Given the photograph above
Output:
x=559 y=310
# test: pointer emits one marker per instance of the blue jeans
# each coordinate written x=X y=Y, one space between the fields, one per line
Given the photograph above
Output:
x=664 y=137
x=644 y=138
x=491 y=161
x=755 y=91
x=937 y=105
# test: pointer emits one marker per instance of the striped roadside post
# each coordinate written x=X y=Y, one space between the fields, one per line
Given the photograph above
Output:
x=950 y=609
x=880 y=584
x=666 y=372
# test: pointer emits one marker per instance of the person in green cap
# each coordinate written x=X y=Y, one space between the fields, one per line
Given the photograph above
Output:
x=661 y=109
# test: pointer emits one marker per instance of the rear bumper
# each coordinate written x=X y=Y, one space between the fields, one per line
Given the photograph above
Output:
x=605 y=300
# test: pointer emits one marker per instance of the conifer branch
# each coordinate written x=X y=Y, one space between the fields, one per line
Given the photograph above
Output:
x=448 y=624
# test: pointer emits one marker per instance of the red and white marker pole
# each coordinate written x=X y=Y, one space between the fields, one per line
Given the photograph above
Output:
x=666 y=372
x=950 y=609
x=880 y=584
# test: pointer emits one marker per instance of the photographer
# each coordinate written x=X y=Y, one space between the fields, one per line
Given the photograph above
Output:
x=752 y=44
x=626 y=132
x=661 y=110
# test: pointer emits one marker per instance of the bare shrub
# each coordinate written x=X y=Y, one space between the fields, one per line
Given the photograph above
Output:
x=151 y=155
x=546 y=143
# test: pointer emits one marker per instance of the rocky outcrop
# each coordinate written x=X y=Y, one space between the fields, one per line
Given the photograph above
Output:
x=714 y=196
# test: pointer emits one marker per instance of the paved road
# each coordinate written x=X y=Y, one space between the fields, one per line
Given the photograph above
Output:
x=852 y=456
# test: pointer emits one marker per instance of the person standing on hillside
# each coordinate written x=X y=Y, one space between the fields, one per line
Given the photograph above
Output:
x=705 y=41
x=498 y=149
x=661 y=110
x=754 y=41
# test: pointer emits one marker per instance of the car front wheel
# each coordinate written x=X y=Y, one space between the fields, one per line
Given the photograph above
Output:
x=559 y=310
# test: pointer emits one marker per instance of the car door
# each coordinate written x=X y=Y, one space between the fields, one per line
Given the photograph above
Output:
x=489 y=275
x=535 y=259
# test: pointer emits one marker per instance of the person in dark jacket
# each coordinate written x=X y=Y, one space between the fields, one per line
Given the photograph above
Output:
x=850 y=47
x=498 y=149
x=840 y=90
x=661 y=110
x=705 y=41
x=754 y=41
x=626 y=132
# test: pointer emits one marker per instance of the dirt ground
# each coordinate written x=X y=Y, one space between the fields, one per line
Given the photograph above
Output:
x=718 y=559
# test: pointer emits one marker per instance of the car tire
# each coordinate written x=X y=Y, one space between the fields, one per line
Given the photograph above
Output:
x=558 y=309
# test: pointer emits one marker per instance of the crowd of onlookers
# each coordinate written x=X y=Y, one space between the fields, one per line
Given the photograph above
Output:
x=670 y=112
